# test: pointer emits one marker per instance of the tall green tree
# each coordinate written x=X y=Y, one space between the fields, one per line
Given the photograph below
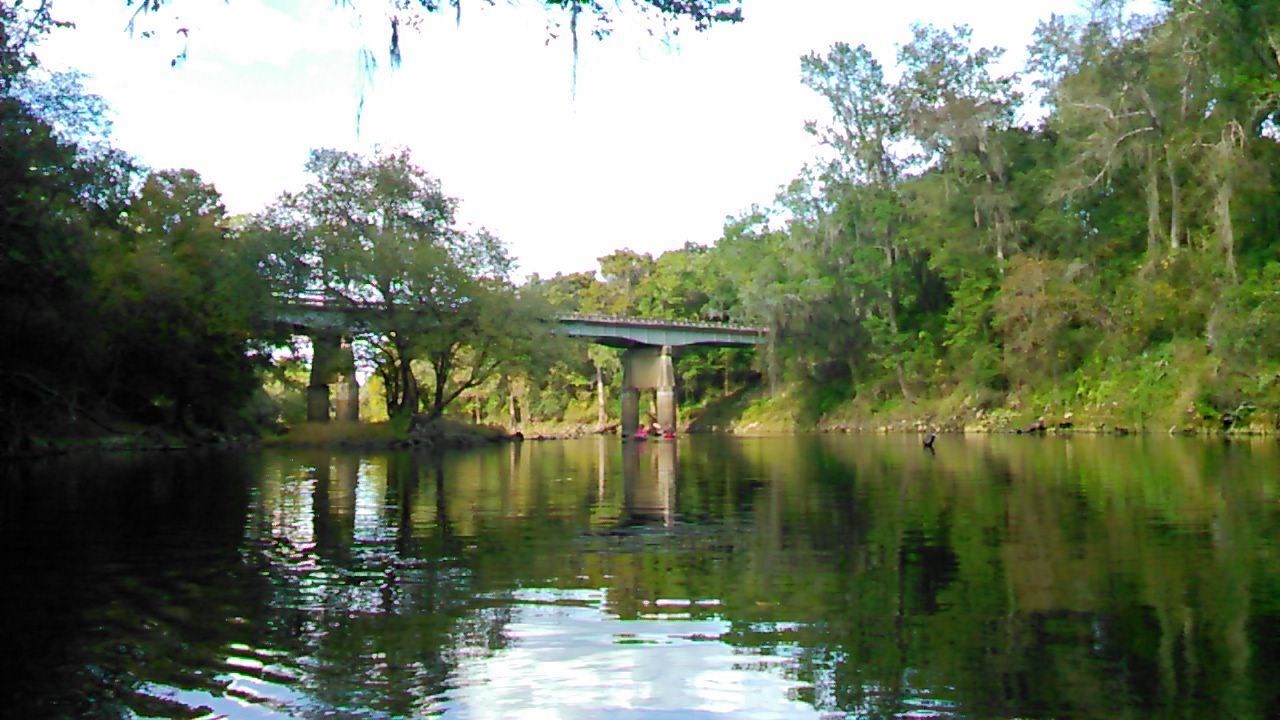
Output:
x=182 y=296
x=379 y=232
x=959 y=110
x=862 y=236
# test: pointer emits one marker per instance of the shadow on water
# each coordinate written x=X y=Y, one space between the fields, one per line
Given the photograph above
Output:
x=842 y=576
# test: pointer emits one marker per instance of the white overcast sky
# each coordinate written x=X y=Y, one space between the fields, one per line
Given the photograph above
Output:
x=662 y=141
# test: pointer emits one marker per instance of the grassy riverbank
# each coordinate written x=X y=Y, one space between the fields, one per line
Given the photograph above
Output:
x=1173 y=390
x=76 y=436
x=441 y=433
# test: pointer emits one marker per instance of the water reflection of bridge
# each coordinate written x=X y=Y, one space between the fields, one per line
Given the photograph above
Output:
x=337 y=504
x=649 y=479
x=996 y=579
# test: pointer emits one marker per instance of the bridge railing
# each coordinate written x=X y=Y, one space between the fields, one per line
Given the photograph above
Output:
x=653 y=322
x=318 y=302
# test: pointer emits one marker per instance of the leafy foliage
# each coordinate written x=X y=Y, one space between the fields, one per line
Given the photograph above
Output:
x=1119 y=249
x=939 y=244
x=122 y=297
x=381 y=232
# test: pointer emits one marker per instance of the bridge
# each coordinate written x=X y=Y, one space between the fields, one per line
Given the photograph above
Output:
x=646 y=352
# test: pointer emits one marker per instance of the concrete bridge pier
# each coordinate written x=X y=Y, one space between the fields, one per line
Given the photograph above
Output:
x=666 y=391
x=346 y=403
x=323 y=355
x=317 y=403
x=333 y=362
x=643 y=369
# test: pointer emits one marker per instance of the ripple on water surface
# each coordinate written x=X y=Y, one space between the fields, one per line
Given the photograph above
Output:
x=784 y=577
x=570 y=658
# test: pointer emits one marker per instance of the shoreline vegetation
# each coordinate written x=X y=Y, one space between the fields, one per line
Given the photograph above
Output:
x=959 y=256
x=749 y=412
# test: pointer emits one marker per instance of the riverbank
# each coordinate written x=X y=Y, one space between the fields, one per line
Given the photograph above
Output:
x=120 y=438
x=416 y=432
x=799 y=409
x=1177 y=389
x=1126 y=408
x=438 y=434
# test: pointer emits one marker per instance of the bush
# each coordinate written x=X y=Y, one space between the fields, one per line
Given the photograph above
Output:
x=1046 y=322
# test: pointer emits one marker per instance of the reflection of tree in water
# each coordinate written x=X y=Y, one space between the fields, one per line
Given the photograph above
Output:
x=1004 y=578
x=992 y=579
x=1058 y=597
x=121 y=572
x=380 y=615
x=143 y=590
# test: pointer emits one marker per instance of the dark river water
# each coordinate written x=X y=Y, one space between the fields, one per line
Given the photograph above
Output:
x=823 y=577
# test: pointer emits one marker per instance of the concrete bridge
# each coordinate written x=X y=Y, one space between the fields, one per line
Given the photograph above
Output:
x=646 y=346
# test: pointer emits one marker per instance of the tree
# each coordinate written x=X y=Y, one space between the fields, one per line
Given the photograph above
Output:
x=864 y=183
x=54 y=196
x=1133 y=97
x=21 y=27
x=499 y=331
x=380 y=232
x=958 y=110
x=182 y=297
x=45 y=306
x=624 y=272
x=1237 y=45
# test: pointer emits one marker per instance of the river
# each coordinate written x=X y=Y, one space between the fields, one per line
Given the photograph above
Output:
x=711 y=577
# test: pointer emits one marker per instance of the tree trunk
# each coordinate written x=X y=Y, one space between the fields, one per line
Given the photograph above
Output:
x=390 y=389
x=902 y=380
x=774 y=362
x=997 y=222
x=1228 y=149
x=1153 y=209
x=1226 y=231
x=892 y=312
x=602 y=416
x=408 y=389
x=1175 y=225
x=441 y=368
x=401 y=386
x=513 y=406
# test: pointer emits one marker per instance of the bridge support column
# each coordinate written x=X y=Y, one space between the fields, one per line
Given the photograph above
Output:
x=666 y=391
x=637 y=374
x=347 y=403
x=323 y=356
x=317 y=403
x=332 y=362
x=643 y=369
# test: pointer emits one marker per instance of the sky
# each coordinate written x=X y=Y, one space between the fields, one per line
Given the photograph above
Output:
x=657 y=142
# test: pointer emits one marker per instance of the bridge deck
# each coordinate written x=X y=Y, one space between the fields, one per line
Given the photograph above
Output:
x=636 y=332
x=309 y=314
